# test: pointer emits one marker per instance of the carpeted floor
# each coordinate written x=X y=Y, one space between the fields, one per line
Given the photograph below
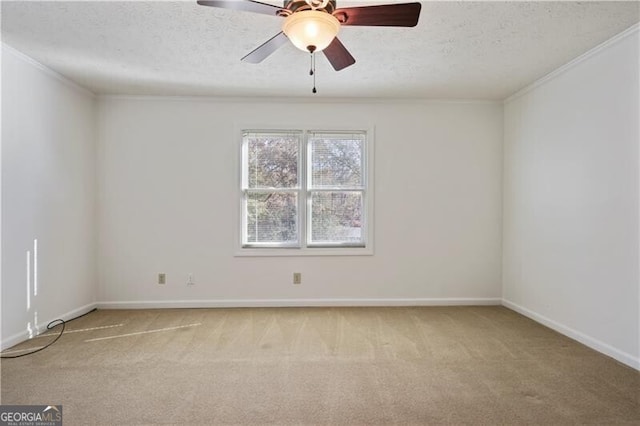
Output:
x=356 y=366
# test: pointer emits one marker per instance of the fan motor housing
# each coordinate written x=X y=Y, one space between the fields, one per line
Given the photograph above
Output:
x=300 y=5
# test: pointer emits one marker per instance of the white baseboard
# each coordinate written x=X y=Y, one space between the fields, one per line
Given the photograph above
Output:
x=267 y=303
x=24 y=335
x=623 y=357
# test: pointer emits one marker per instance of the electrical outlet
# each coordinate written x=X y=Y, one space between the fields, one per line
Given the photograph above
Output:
x=297 y=278
x=190 y=280
x=162 y=278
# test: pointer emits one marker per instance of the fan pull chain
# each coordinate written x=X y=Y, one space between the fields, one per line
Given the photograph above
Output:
x=312 y=72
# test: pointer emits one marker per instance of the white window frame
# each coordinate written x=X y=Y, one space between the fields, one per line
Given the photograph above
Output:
x=304 y=197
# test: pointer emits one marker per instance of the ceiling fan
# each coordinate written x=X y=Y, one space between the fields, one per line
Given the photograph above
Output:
x=312 y=25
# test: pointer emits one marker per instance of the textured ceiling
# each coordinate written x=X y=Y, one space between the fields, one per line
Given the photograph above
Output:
x=459 y=50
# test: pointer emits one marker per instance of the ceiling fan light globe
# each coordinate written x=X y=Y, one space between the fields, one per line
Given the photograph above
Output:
x=311 y=28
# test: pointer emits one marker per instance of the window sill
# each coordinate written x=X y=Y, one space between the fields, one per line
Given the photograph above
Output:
x=294 y=252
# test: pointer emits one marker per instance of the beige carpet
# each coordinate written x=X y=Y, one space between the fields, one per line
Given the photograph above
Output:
x=357 y=366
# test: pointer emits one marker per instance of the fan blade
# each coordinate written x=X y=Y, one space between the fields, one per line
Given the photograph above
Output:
x=338 y=55
x=386 y=15
x=243 y=5
x=260 y=53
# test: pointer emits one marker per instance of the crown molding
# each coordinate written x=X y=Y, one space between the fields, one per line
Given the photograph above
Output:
x=585 y=56
x=7 y=49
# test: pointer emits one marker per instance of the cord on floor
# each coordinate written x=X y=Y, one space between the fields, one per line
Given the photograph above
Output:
x=51 y=325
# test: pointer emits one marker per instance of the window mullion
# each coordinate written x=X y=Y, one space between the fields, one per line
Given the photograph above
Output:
x=305 y=210
x=338 y=189
x=270 y=190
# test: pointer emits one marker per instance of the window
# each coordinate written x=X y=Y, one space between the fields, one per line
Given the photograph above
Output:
x=305 y=190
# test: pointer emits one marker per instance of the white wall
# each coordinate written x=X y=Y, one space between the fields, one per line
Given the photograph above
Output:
x=571 y=188
x=168 y=188
x=48 y=194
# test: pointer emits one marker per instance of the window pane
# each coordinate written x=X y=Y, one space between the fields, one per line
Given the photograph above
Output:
x=336 y=160
x=336 y=217
x=272 y=217
x=272 y=160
